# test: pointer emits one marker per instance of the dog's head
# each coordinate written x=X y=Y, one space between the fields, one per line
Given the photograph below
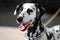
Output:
x=27 y=13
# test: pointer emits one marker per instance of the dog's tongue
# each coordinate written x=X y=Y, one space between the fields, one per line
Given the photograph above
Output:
x=23 y=26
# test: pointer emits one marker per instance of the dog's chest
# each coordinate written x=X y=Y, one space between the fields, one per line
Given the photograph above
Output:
x=36 y=36
x=33 y=32
x=40 y=37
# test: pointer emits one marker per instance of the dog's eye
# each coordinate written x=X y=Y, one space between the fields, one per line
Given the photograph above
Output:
x=29 y=11
x=21 y=9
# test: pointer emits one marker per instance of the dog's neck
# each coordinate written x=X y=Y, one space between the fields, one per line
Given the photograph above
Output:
x=35 y=29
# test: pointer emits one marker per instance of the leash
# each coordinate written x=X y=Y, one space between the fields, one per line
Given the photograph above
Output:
x=52 y=18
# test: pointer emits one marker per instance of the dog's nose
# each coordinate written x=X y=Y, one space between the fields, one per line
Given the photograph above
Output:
x=20 y=19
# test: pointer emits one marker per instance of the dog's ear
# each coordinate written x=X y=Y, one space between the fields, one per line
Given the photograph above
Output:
x=41 y=10
x=17 y=8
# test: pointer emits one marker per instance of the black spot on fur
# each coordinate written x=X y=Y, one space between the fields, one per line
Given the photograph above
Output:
x=29 y=11
x=58 y=37
x=32 y=29
x=56 y=30
x=49 y=36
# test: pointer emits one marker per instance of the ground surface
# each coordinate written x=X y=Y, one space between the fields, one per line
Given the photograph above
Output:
x=10 y=33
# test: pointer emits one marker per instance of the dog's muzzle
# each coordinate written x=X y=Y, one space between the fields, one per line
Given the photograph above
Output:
x=23 y=25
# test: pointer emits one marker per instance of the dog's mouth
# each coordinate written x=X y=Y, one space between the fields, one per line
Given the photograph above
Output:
x=23 y=26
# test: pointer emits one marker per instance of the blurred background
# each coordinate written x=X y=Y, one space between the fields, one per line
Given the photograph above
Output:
x=8 y=26
x=7 y=8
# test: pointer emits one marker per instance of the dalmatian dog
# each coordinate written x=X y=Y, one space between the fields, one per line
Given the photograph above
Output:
x=29 y=20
